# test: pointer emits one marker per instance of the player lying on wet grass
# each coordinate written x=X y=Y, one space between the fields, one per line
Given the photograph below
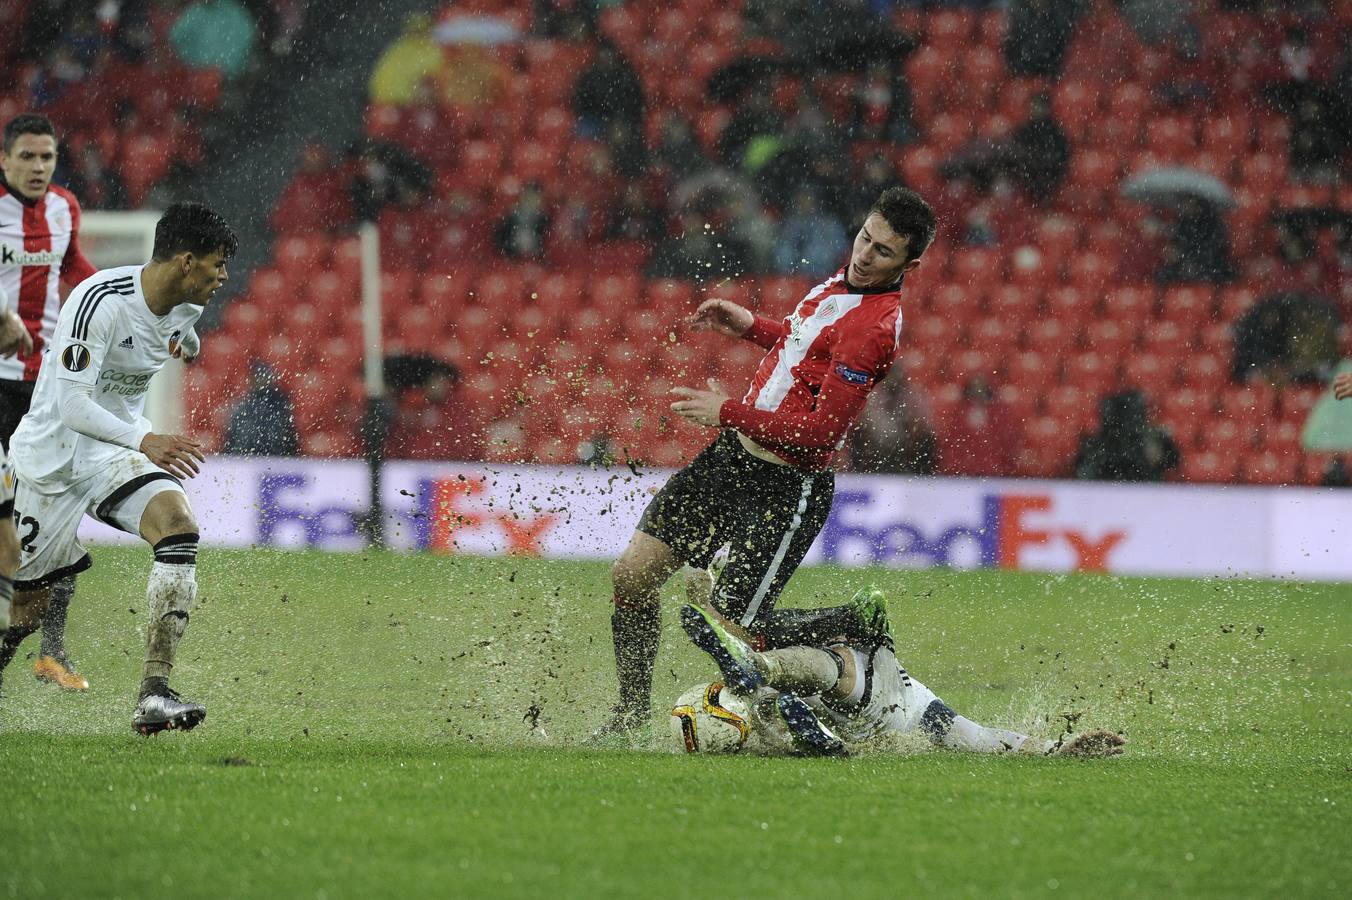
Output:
x=818 y=700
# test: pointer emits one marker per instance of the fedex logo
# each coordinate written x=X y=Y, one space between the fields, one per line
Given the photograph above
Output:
x=449 y=508
x=444 y=513
x=1009 y=526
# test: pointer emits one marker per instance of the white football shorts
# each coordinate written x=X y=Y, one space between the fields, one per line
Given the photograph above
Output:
x=48 y=523
x=6 y=484
x=885 y=697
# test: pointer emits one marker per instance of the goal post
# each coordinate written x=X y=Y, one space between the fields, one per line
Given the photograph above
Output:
x=126 y=239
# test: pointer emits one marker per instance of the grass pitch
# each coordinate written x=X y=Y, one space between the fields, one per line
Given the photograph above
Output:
x=383 y=725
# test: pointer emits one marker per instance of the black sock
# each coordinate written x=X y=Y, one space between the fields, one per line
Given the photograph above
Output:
x=805 y=627
x=636 y=630
x=153 y=685
x=9 y=645
x=54 y=619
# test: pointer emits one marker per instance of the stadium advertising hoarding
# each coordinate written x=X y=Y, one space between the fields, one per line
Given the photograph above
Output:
x=876 y=520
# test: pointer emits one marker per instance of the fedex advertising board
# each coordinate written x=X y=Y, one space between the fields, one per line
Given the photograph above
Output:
x=875 y=520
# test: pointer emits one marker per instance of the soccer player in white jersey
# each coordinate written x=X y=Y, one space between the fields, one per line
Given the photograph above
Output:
x=40 y=260
x=818 y=700
x=85 y=447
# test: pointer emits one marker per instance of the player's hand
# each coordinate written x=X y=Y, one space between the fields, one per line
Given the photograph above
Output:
x=1093 y=744
x=722 y=316
x=700 y=407
x=1342 y=386
x=14 y=336
x=174 y=453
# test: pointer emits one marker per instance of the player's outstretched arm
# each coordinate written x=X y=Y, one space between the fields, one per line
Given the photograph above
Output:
x=174 y=453
x=948 y=729
x=723 y=317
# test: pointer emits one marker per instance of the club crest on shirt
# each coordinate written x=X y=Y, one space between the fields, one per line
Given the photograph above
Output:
x=75 y=357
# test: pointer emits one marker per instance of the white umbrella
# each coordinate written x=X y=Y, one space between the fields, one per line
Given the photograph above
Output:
x=1167 y=184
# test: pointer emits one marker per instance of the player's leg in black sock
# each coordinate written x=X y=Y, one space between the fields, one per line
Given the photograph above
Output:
x=805 y=627
x=636 y=631
x=54 y=620
x=636 y=624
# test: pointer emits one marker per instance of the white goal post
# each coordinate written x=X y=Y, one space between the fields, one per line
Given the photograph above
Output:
x=125 y=239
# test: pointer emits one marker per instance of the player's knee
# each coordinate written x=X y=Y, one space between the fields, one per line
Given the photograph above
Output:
x=937 y=720
x=25 y=613
x=9 y=557
x=627 y=580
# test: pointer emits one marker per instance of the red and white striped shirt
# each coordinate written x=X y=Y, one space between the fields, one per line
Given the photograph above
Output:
x=39 y=249
x=823 y=360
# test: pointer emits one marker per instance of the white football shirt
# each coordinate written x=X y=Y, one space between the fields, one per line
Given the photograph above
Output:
x=107 y=339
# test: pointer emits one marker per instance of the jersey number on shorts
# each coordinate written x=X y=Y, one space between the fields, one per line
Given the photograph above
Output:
x=27 y=541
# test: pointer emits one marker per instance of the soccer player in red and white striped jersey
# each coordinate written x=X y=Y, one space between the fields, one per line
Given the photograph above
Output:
x=40 y=261
x=763 y=487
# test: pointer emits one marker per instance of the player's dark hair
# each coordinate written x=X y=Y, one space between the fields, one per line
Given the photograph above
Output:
x=194 y=228
x=27 y=123
x=907 y=213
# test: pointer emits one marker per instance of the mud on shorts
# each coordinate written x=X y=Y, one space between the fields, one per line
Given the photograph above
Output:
x=48 y=523
x=767 y=514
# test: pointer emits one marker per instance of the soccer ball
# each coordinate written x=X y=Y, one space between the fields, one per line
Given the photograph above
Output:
x=708 y=718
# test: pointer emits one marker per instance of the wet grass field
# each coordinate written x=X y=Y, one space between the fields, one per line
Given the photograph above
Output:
x=385 y=725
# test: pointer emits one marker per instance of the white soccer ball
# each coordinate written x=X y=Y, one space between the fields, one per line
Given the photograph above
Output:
x=709 y=718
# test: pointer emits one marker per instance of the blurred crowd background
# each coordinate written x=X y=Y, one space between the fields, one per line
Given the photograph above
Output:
x=1140 y=274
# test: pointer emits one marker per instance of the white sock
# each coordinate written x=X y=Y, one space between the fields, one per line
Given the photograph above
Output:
x=170 y=595
x=805 y=671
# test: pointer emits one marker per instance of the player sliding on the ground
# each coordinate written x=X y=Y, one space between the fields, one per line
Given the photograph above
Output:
x=818 y=700
x=85 y=446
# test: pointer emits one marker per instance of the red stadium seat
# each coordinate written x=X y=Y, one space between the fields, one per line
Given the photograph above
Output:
x=1048 y=449
x=1072 y=305
x=300 y=258
x=1091 y=271
x=1108 y=337
x=1029 y=268
x=1150 y=373
x=1091 y=371
x=1294 y=403
x=1128 y=305
x=994 y=334
x=973 y=363
x=671 y=297
x=1227 y=135
x=616 y=294
x=502 y=289
x=1271 y=467
x=269 y=289
x=936 y=333
x=1282 y=436
x=1166 y=338
x=977 y=269
x=1014 y=303
x=1205 y=371
x=1032 y=371
x=780 y=295
x=1188 y=305
x=1228 y=437
x=1209 y=467
x=959 y=303
x=561 y=294
x=1049 y=337
x=445 y=293
x=1172 y=138
x=1251 y=406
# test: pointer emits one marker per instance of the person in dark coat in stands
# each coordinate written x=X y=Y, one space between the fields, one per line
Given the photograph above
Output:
x=1127 y=446
x=263 y=423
